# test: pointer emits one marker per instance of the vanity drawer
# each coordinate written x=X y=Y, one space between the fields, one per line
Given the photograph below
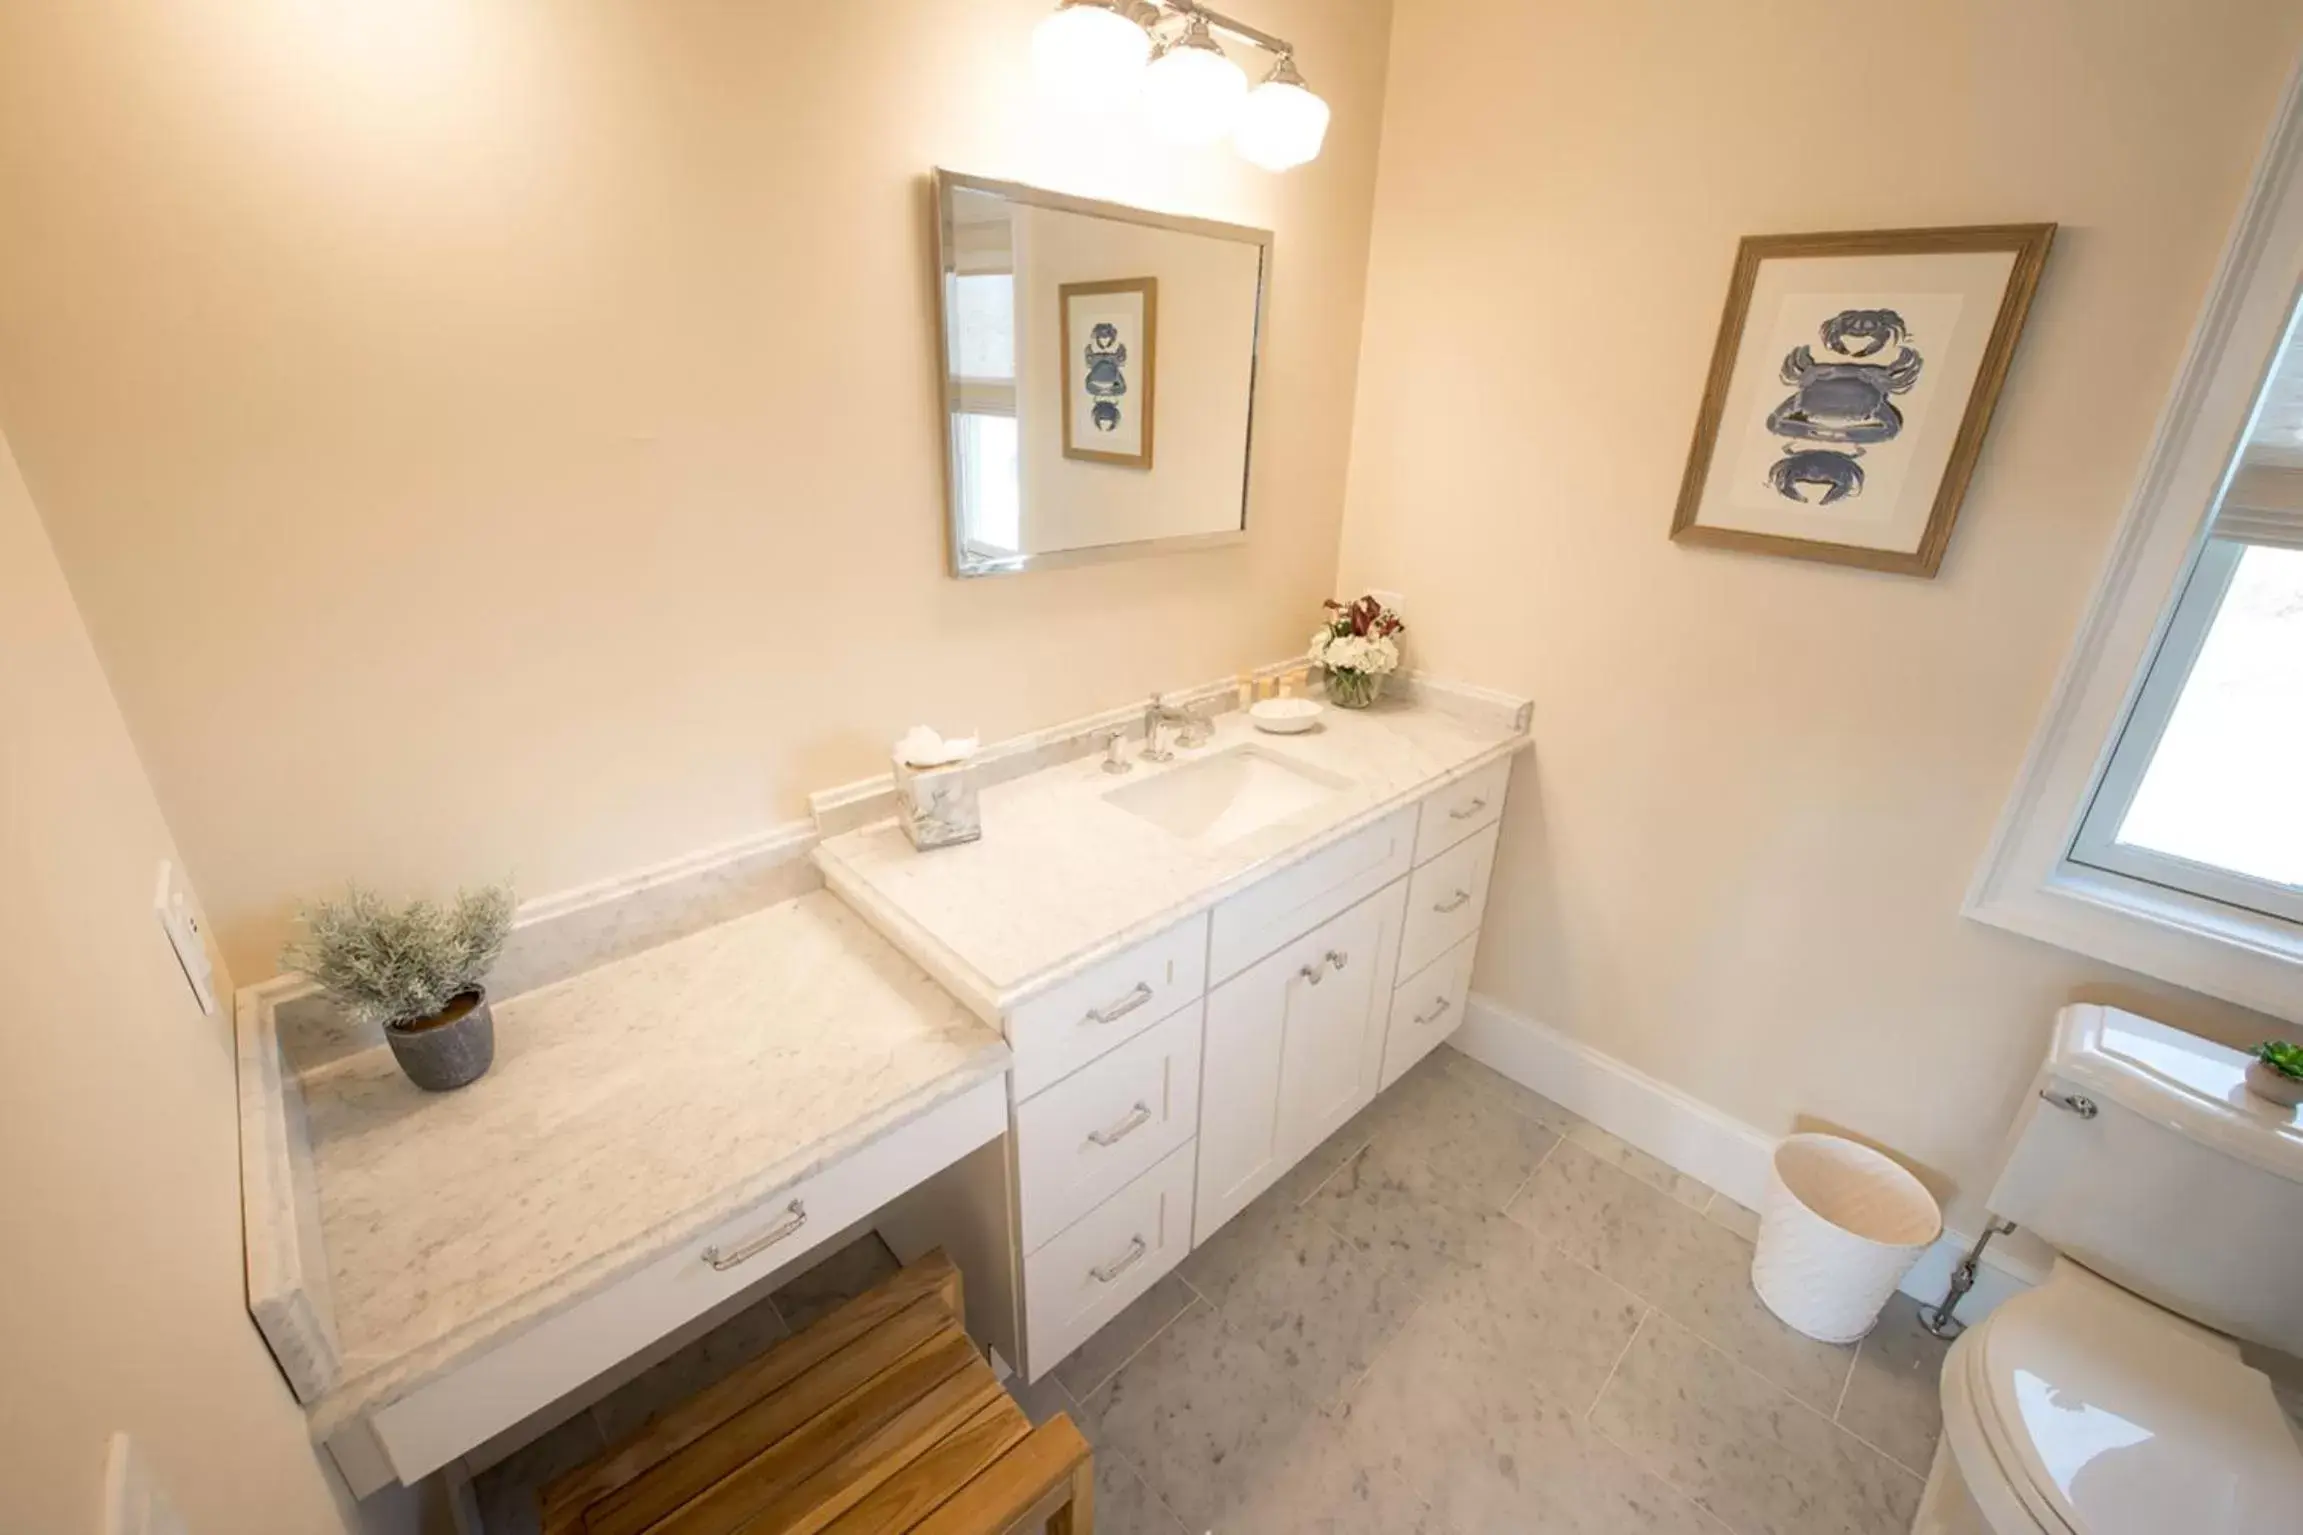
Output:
x=1445 y=900
x=1295 y=900
x=1094 y=1132
x=1069 y=1025
x=1463 y=807
x=1426 y=1008
x=490 y=1392
x=1086 y=1276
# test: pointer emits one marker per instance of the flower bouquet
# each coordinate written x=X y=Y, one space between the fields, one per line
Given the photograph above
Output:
x=1359 y=647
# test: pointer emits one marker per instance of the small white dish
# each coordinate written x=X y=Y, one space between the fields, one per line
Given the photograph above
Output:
x=1285 y=716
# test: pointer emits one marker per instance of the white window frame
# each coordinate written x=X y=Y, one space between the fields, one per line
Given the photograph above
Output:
x=2029 y=882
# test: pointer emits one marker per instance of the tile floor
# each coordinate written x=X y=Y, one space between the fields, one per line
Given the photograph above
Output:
x=1468 y=1312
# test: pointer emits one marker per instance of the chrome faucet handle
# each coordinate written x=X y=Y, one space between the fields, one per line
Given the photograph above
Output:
x=1156 y=714
x=1113 y=761
x=1198 y=728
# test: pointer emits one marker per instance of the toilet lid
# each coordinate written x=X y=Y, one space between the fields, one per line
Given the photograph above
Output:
x=2124 y=1423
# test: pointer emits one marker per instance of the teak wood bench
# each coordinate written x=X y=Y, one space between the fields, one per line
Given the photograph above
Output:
x=881 y=1417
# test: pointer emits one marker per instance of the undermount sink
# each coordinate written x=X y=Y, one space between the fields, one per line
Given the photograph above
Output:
x=1230 y=795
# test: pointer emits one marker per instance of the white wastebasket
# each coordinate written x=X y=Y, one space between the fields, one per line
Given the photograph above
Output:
x=1842 y=1224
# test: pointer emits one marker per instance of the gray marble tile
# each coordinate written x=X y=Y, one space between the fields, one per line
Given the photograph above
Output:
x=1652 y=1171
x=1559 y=1325
x=1495 y=1084
x=1694 y=1270
x=1124 y=1505
x=1745 y=1450
x=1305 y=1179
x=1744 y=1222
x=1325 y=1487
x=1311 y=1300
x=1116 y=1342
x=838 y=1279
x=507 y=1491
x=1894 y=1398
x=1463 y=1131
x=706 y=1361
x=1396 y=1210
x=1042 y=1401
x=1464 y=1430
x=1205 y=1416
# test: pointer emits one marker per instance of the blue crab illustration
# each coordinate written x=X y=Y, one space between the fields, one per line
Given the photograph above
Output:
x=1875 y=328
x=1106 y=381
x=1837 y=473
x=1843 y=401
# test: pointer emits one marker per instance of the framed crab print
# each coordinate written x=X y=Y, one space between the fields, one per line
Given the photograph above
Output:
x=1109 y=331
x=1850 y=389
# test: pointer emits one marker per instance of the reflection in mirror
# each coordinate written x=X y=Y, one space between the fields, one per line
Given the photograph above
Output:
x=1099 y=375
x=2199 y=795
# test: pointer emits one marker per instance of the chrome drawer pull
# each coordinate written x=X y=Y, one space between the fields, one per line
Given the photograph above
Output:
x=1452 y=903
x=1468 y=811
x=1111 y=1271
x=1136 y=1120
x=1433 y=1015
x=1121 y=1008
x=796 y=1216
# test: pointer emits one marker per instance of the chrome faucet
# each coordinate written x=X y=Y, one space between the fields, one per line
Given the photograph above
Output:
x=1157 y=713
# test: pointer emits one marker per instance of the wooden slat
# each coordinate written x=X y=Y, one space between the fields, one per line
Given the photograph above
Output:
x=828 y=1438
x=1019 y=1485
x=566 y=1497
x=923 y=1326
x=912 y=1493
x=869 y=1462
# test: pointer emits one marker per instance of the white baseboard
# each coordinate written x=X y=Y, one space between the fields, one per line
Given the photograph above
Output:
x=1689 y=1134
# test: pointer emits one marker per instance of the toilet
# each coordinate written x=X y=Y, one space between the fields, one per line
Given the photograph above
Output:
x=2111 y=1399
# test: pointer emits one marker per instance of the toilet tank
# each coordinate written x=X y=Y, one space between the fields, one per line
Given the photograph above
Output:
x=2141 y=1155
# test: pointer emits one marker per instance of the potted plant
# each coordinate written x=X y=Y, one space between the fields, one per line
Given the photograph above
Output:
x=1359 y=647
x=414 y=971
x=2276 y=1073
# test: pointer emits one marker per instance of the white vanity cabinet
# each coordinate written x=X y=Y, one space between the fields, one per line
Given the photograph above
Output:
x=1158 y=1092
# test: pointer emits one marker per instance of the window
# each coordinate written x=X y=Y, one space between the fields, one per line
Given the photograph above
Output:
x=2204 y=791
x=2158 y=821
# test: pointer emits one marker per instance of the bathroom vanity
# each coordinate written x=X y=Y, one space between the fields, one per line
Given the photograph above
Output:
x=1204 y=967
x=1065 y=1053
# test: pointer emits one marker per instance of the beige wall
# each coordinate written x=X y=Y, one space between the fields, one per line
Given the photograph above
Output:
x=124 y=1305
x=504 y=437
x=1760 y=785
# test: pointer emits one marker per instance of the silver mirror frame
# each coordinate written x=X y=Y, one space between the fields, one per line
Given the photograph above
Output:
x=966 y=565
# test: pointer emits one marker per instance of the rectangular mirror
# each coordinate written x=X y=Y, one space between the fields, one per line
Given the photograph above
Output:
x=1099 y=375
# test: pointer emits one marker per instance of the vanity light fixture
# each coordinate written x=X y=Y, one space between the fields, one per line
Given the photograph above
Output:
x=1106 y=52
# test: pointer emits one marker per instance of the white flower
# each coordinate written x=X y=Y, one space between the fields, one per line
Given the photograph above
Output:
x=1376 y=654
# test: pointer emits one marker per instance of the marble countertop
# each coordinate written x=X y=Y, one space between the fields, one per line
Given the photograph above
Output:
x=1062 y=878
x=630 y=1108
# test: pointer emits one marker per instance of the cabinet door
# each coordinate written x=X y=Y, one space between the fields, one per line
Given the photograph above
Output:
x=1332 y=1056
x=1294 y=1048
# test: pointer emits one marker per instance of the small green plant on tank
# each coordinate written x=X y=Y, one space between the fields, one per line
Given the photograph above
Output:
x=414 y=971
x=2276 y=1073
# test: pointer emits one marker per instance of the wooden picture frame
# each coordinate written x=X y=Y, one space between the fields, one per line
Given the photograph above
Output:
x=1916 y=300
x=1131 y=362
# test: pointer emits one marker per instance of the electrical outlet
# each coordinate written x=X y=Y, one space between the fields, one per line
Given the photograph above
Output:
x=132 y=1504
x=181 y=923
x=1391 y=600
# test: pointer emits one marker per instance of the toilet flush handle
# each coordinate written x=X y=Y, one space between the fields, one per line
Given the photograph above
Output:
x=2074 y=1103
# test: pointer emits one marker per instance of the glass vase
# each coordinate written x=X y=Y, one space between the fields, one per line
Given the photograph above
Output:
x=1353 y=690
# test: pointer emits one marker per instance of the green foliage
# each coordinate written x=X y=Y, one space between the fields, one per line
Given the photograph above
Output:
x=2285 y=1059
x=385 y=964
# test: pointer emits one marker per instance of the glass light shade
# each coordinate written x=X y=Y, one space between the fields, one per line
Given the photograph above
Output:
x=1281 y=125
x=1088 y=55
x=1192 y=93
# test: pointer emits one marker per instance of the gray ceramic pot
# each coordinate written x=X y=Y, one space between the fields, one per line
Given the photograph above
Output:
x=2276 y=1086
x=450 y=1049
